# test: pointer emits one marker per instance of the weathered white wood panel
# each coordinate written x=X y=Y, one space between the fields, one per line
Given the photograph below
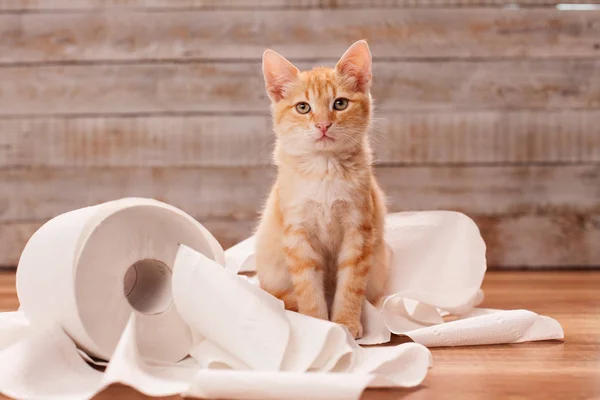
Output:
x=549 y=240
x=207 y=193
x=486 y=137
x=101 y=99
x=239 y=88
x=37 y=194
x=299 y=34
x=198 y=141
x=13 y=237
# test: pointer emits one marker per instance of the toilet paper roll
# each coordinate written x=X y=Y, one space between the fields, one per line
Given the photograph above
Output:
x=89 y=269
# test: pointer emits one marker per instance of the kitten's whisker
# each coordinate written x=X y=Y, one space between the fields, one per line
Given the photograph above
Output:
x=267 y=145
x=344 y=135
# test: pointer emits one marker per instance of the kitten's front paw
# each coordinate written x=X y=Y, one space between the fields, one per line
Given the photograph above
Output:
x=354 y=327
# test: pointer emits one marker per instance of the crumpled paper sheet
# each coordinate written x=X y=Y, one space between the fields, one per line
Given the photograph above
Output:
x=438 y=265
x=247 y=346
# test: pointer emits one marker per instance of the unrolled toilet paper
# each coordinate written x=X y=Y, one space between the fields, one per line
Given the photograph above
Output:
x=438 y=265
x=142 y=285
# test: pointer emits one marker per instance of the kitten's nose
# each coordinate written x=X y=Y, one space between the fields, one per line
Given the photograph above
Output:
x=323 y=126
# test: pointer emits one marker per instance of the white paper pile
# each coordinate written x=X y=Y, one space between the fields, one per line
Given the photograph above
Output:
x=438 y=265
x=142 y=285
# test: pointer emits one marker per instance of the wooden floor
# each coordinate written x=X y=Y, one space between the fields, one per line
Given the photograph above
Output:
x=542 y=370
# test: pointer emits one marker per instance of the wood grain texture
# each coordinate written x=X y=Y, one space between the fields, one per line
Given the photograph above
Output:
x=236 y=88
x=538 y=371
x=490 y=111
x=425 y=138
x=436 y=138
x=552 y=240
x=190 y=141
x=53 y=5
x=34 y=194
x=13 y=238
x=299 y=34
x=206 y=193
x=565 y=136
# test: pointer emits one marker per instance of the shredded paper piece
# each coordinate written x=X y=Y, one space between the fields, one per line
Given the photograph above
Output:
x=141 y=288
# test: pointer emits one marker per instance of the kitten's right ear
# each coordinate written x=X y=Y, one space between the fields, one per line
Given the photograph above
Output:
x=356 y=64
x=278 y=73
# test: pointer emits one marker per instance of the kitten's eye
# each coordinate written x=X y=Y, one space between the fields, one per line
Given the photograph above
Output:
x=340 y=104
x=303 y=108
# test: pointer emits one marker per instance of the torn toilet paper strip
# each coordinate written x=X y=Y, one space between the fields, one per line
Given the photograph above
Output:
x=46 y=364
x=438 y=265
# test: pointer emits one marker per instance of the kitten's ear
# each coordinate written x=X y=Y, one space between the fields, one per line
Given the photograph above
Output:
x=356 y=65
x=278 y=73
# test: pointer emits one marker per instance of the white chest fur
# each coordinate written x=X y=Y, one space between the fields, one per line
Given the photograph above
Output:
x=323 y=205
x=324 y=192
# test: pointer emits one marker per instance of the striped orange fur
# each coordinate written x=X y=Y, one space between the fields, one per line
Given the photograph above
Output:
x=320 y=242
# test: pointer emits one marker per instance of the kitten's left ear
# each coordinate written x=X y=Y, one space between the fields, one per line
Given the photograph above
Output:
x=356 y=65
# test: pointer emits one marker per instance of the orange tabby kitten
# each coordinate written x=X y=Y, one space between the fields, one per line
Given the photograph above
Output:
x=320 y=247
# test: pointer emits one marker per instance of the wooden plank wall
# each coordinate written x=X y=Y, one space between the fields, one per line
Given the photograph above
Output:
x=483 y=106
